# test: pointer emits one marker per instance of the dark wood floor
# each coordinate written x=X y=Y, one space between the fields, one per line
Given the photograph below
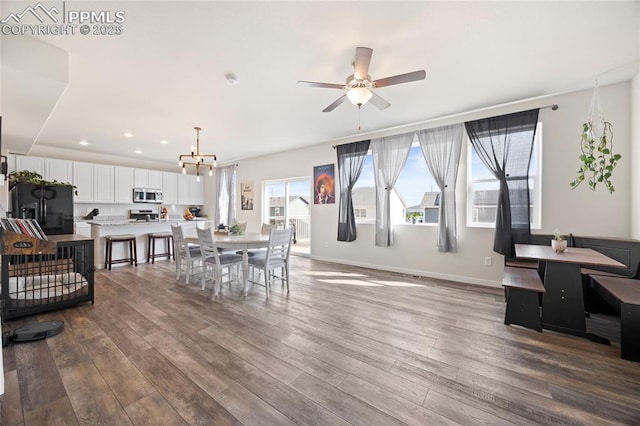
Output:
x=347 y=346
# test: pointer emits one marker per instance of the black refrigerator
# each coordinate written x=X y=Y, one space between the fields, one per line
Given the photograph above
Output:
x=51 y=206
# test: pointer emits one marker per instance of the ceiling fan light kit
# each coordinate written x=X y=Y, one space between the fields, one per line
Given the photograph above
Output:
x=358 y=86
x=198 y=159
x=359 y=96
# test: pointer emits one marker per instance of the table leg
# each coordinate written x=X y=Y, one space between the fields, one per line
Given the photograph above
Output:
x=245 y=270
x=563 y=302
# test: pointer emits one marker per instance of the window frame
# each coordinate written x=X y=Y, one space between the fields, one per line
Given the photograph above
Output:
x=535 y=173
x=397 y=195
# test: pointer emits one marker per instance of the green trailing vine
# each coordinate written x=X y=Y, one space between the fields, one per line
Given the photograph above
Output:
x=34 y=178
x=597 y=158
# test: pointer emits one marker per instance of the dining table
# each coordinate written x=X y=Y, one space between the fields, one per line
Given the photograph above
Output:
x=243 y=243
x=563 y=307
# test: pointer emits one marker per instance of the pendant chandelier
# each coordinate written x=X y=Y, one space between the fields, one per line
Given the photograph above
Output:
x=196 y=159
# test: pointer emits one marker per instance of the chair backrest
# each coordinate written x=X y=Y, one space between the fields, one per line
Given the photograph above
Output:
x=182 y=247
x=207 y=245
x=178 y=238
x=279 y=245
x=242 y=226
x=267 y=227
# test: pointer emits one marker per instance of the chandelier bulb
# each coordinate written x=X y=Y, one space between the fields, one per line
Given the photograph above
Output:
x=198 y=178
x=184 y=171
x=180 y=163
x=210 y=171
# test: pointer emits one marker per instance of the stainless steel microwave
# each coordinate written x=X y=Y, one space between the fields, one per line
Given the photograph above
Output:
x=145 y=195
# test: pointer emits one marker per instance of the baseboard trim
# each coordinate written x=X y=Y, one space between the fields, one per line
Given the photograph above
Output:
x=415 y=272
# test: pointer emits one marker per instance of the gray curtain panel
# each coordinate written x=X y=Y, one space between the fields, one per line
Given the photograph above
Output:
x=350 y=160
x=226 y=181
x=505 y=144
x=389 y=157
x=441 y=149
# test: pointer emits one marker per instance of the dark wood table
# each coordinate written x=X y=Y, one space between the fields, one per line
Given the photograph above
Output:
x=563 y=300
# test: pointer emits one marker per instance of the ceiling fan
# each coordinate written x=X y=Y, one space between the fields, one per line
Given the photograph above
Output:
x=359 y=84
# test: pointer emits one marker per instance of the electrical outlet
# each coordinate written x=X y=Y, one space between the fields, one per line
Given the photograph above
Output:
x=488 y=261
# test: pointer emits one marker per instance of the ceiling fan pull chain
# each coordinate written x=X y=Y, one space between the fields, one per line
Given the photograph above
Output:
x=359 y=109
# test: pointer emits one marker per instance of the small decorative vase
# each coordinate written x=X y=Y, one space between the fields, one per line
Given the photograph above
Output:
x=559 y=246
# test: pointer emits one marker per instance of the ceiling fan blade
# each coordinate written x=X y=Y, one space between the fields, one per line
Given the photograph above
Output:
x=401 y=78
x=361 y=64
x=379 y=102
x=335 y=104
x=323 y=85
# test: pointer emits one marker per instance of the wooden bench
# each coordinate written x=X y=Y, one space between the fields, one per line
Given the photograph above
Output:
x=524 y=289
x=623 y=294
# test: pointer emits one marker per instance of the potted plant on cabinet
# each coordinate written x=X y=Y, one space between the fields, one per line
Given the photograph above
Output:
x=34 y=178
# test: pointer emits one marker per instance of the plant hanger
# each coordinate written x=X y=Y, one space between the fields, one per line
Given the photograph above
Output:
x=597 y=158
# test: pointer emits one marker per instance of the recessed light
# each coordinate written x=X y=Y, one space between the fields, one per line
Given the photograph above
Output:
x=127 y=134
x=138 y=151
x=83 y=142
x=164 y=141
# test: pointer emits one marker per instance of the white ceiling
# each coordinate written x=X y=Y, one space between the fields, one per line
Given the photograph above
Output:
x=166 y=73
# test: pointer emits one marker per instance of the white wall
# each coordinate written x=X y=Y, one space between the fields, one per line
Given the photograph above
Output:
x=580 y=211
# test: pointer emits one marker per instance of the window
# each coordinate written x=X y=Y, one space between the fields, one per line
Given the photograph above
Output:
x=415 y=195
x=482 y=193
x=360 y=213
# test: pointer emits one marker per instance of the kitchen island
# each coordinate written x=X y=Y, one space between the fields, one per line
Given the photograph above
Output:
x=102 y=229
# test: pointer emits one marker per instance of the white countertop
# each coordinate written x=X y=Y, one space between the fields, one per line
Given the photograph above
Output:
x=142 y=222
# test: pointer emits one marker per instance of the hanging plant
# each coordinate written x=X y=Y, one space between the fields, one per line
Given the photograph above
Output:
x=597 y=159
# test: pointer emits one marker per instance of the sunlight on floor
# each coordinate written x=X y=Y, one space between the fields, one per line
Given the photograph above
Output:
x=332 y=274
x=373 y=283
x=352 y=282
x=397 y=284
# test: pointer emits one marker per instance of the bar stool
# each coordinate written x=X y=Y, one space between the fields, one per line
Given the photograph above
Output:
x=124 y=238
x=151 y=242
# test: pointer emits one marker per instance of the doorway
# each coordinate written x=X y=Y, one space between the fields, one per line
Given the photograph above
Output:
x=287 y=203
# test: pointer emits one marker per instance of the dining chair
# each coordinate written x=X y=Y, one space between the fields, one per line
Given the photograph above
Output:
x=266 y=228
x=275 y=256
x=186 y=255
x=215 y=261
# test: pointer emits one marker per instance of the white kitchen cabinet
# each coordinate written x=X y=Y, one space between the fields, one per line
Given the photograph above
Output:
x=33 y=164
x=151 y=179
x=190 y=191
x=83 y=179
x=104 y=183
x=82 y=228
x=155 y=179
x=197 y=192
x=60 y=170
x=141 y=178
x=169 y=188
x=124 y=182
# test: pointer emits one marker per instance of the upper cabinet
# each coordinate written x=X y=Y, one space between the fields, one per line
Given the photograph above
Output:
x=190 y=191
x=104 y=183
x=169 y=188
x=124 y=183
x=48 y=168
x=151 y=179
x=83 y=180
x=33 y=164
x=94 y=182
x=60 y=170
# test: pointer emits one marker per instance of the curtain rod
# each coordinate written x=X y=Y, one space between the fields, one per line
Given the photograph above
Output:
x=554 y=107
